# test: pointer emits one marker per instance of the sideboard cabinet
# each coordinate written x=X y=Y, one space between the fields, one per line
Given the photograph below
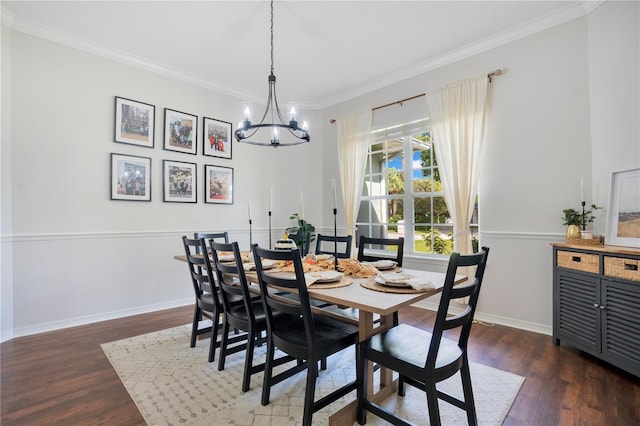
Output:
x=596 y=302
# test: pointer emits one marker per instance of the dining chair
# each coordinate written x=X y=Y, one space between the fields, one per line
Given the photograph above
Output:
x=247 y=316
x=297 y=331
x=334 y=245
x=207 y=302
x=380 y=245
x=423 y=359
x=218 y=236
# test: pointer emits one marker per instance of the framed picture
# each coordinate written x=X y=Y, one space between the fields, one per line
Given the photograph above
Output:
x=218 y=184
x=624 y=209
x=179 y=182
x=135 y=122
x=130 y=177
x=217 y=138
x=180 y=131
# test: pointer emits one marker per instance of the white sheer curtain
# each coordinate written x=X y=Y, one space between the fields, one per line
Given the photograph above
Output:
x=354 y=132
x=457 y=114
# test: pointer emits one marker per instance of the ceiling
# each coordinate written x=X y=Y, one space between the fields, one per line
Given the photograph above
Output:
x=325 y=52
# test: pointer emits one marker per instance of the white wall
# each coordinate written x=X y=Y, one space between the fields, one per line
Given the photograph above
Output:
x=542 y=140
x=80 y=257
x=70 y=255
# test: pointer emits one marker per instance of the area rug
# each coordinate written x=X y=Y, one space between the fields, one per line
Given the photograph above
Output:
x=173 y=384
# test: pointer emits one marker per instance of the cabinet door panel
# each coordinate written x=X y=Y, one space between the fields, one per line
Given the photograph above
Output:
x=621 y=324
x=578 y=318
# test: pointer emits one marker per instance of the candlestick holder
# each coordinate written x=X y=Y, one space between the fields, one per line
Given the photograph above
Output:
x=269 y=229
x=335 y=240
x=250 y=234
x=302 y=239
x=584 y=222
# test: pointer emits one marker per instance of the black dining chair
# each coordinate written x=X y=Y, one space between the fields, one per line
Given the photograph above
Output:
x=247 y=316
x=383 y=248
x=334 y=245
x=207 y=302
x=217 y=236
x=294 y=329
x=424 y=359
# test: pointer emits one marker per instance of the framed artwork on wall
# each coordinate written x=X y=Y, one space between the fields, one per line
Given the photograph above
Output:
x=130 y=177
x=218 y=184
x=216 y=138
x=180 y=131
x=624 y=209
x=179 y=182
x=134 y=122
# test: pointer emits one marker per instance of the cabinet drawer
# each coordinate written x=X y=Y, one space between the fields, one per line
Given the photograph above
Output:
x=579 y=261
x=619 y=267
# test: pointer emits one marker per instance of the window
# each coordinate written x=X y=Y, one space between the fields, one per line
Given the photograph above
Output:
x=402 y=195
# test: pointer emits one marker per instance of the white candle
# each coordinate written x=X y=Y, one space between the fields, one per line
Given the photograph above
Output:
x=249 y=206
x=582 y=189
x=335 y=196
x=301 y=206
x=271 y=199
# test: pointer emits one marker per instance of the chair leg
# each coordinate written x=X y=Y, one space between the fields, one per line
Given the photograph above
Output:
x=432 y=404
x=194 y=326
x=223 y=345
x=214 y=336
x=468 y=393
x=361 y=389
x=268 y=371
x=401 y=387
x=310 y=392
x=248 y=361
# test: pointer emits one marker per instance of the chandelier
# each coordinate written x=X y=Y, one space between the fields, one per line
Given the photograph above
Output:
x=277 y=132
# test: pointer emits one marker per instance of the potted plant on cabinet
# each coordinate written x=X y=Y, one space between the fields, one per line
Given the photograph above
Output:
x=577 y=221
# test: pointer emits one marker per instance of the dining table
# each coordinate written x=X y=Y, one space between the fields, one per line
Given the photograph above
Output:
x=370 y=299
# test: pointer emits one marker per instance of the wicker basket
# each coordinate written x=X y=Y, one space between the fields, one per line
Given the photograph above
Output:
x=579 y=261
x=584 y=242
x=628 y=269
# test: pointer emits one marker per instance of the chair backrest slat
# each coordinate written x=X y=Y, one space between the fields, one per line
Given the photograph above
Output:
x=200 y=268
x=218 y=236
x=470 y=289
x=283 y=294
x=225 y=272
x=382 y=243
x=330 y=244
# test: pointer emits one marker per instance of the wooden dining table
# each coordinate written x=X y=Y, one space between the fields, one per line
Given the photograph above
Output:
x=368 y=303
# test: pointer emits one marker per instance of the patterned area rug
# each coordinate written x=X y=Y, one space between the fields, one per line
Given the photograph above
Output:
x=173 y=384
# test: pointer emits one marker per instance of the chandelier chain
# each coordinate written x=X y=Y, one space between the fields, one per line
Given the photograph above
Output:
x=271 y=36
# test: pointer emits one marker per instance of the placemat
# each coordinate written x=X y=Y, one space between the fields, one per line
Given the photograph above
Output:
x=371 y=284
x=344 y=281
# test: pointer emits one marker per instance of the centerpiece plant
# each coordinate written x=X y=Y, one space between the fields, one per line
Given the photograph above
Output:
x=302 y=227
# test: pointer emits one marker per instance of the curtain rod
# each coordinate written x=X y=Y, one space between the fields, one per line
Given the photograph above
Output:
x=489 y=76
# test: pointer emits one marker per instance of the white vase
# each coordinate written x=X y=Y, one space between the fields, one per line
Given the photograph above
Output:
x=586 y=235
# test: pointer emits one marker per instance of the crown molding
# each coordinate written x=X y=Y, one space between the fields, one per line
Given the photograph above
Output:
x=568 y=13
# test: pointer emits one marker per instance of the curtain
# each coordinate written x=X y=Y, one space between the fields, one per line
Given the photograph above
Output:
x=457 y=113
x=353 y=143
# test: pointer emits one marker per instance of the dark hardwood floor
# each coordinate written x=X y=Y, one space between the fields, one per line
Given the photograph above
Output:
x=64 y=378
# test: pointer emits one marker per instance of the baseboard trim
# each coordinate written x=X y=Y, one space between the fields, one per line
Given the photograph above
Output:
x=497 y=319
x=90 y=319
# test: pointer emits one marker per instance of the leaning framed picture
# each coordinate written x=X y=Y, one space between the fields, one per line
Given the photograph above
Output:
x=216 y=138
x=624 y=209
x=130 y=177
x=179 y=182
x=134 y=122
x=218 y=184
x=180 y=131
